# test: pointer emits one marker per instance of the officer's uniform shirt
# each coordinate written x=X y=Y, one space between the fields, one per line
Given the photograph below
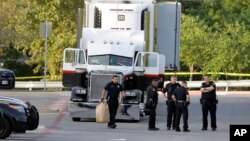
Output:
x=113 y=90
x=208 y=95
x=152 y=94
x=170 y=89
x=181 y=94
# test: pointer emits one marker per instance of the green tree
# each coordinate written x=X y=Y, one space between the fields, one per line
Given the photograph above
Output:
x=195 y=43
x=9 y=11
x=225 y=25
x=63 y=15
x=12 y=13
x=230 y=52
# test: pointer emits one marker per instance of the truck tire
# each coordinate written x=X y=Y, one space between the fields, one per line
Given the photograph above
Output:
x=6 y=130
x=141 y=115
x=75 y=119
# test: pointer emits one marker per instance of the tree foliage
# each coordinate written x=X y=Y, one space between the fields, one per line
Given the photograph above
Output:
x=214 y=33
x=20 y=23
x=63 y=15
x=195 y=43
x=12 y=13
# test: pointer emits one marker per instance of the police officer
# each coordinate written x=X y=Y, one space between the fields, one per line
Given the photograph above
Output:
x=208 y=101
x=182 y=100
x=171 y=108
x=152 y=100
x=113 y=89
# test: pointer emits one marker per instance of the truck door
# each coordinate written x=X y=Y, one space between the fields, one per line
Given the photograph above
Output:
x=74 y=67
x=151 y=65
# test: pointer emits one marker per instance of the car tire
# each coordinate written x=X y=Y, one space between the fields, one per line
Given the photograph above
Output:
x=13 y=84
x=6 y=130
x=1 y=120
x=75 y=119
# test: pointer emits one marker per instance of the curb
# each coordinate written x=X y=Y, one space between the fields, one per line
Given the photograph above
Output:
x=197 y=93
x=223 y=92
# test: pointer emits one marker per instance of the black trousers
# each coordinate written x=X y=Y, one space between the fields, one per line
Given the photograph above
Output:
x=113 y=105
x=171 y=114
x=152 y=115
x=209 y=106
x=181 y=109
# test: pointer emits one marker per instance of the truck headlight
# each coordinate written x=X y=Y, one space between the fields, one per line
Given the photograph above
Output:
x=130 y=93
x=81 y=91
x=142 y=106
x=17 y=107
x=76 y=99
x=127 y=93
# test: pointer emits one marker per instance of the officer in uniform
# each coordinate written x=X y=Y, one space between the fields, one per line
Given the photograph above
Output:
x=182 y=100
x=113 y=89
x=152 y=100
x=171 y=108
x=208 y=101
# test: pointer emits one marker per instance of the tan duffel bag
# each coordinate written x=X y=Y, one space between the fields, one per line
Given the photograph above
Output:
x=102 y=112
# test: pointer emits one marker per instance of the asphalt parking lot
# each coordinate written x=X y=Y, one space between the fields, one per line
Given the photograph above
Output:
x=56 y=125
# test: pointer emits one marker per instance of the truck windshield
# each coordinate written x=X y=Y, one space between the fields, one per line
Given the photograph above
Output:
x=112 y=60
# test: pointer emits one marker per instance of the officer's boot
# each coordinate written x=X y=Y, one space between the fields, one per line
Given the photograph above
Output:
x=177 y=129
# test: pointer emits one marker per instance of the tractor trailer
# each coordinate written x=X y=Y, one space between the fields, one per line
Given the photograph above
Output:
x=138 y=40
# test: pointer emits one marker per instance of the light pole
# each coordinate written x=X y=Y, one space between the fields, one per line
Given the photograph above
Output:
x=45 y=32
x=45 y=55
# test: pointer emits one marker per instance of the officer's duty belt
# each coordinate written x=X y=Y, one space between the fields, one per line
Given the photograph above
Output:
x=208 y=100
x=181 y=101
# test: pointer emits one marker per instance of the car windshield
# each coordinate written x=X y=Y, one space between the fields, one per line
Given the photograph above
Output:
x=112 y=60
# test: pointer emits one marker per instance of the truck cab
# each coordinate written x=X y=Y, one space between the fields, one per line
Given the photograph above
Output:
x=121 y=38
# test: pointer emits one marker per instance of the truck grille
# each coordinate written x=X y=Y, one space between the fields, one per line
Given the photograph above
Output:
x=97 y=83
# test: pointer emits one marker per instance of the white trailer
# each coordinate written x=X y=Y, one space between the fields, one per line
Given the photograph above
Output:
x=136 y=40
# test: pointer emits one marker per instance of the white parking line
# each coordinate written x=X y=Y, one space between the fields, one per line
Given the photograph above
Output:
x=118 y=140
x=40 y=129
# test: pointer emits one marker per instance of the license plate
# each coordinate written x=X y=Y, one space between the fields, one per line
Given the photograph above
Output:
x=4 y=82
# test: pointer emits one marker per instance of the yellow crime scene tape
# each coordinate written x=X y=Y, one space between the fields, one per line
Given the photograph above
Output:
x=166 y=74
x=29 y=77
x=202 y=73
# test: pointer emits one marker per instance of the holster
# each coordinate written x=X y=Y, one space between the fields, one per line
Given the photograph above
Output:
x=186 y=104
x=216 y=101
x=150 y=103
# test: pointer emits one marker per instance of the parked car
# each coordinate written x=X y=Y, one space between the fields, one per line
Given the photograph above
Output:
x=16 y=116
x=7 y=79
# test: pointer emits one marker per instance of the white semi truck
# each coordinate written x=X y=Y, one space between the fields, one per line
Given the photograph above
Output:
x=138 y=40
